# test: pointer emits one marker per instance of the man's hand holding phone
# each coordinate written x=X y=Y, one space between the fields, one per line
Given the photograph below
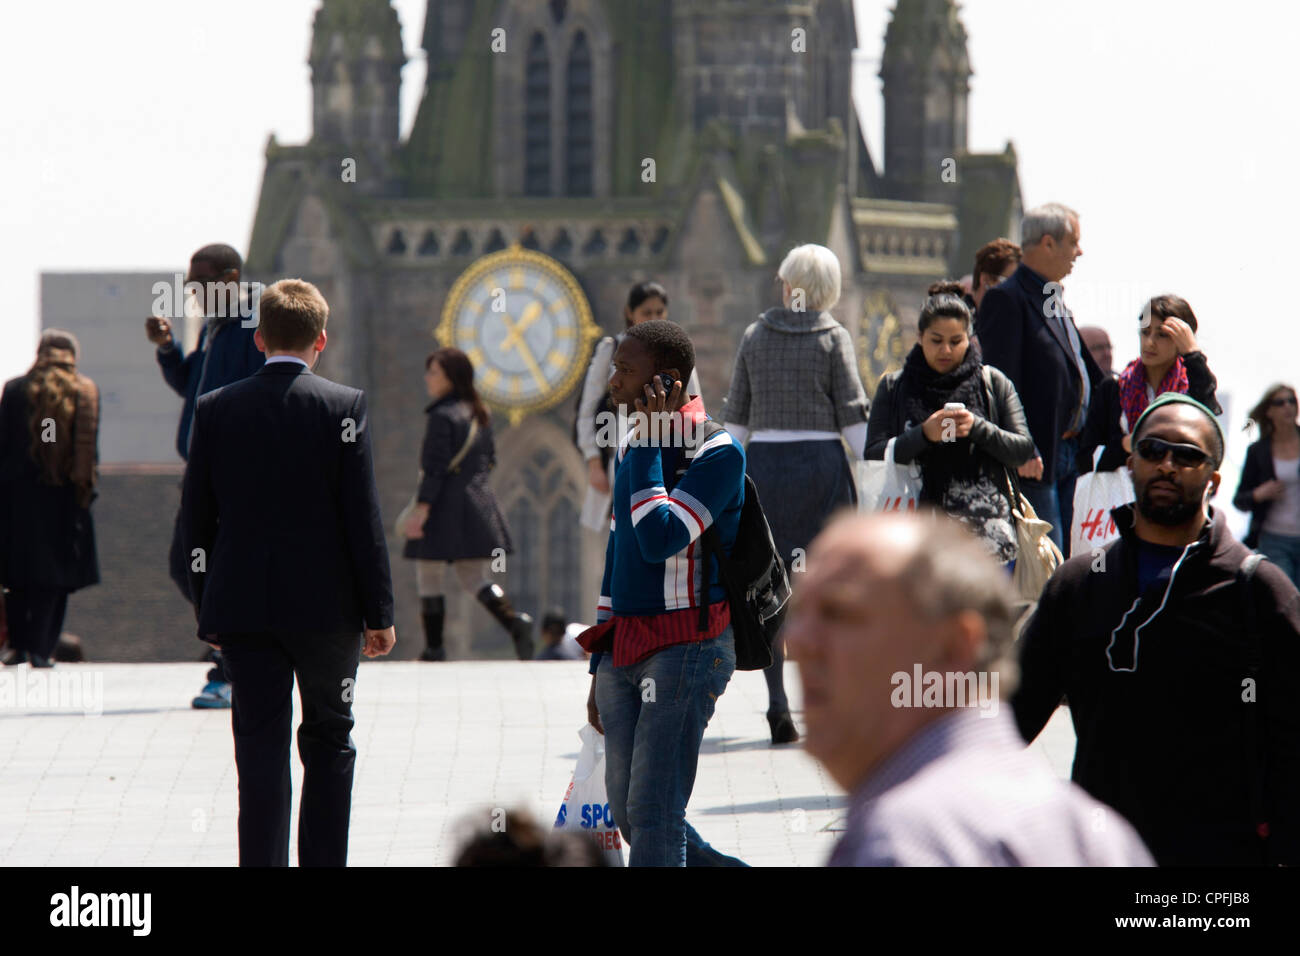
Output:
x=658 y=400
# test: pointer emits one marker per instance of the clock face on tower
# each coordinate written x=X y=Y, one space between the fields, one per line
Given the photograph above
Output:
x=524 y=322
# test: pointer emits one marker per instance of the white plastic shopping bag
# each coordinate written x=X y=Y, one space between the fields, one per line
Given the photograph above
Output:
x=1095 y=494
x=585 y=809
x=888 y=486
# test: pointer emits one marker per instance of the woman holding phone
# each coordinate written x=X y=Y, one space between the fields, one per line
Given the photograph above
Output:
x=961 y=420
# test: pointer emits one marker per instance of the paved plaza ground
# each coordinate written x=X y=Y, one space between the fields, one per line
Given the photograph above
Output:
x=150 y=782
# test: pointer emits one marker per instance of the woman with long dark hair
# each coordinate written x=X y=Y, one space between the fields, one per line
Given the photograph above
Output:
x=1270 y=481
x=967 y=454
x=457 y=521
x=49 y=452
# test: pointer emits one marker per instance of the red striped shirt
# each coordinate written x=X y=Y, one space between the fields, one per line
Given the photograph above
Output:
x=634 y=637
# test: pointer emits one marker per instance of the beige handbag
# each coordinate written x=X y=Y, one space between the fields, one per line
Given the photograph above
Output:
x=399 y=529
x=1037 y=556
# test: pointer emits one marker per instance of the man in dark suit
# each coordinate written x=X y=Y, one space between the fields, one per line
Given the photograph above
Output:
x=1025 y=330
x=288 y=564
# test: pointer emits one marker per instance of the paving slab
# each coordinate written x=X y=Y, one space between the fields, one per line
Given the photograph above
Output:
x=107 y=764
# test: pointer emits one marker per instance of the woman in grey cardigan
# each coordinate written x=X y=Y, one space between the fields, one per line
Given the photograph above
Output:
x=795 y=391
x=966 y=455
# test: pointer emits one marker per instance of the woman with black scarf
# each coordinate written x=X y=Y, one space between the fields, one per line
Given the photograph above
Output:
x=966 y=455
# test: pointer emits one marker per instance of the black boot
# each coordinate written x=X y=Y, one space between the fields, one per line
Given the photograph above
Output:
x=433 y=610
x=783 y=728
x=519 y=626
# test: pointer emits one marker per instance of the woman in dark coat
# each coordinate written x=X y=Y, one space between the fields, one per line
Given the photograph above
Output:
x=49 y=450
x=1270 y=481
x=965 y=455
x=456 y=520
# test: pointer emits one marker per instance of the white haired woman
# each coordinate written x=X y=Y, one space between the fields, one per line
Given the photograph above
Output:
x=795 y=391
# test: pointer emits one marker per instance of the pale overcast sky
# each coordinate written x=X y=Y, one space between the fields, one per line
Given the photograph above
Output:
x=132 y=132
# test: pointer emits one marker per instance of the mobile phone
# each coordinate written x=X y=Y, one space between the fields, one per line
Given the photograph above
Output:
x=666 y=381
x=954 y=407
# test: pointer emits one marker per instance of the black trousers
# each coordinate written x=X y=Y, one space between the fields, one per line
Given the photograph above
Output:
x=262 y=668
x=35 y=618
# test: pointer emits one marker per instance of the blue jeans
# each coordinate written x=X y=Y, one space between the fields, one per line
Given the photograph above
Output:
x=1283 y=550
x=1054 y=501
x=654 y=713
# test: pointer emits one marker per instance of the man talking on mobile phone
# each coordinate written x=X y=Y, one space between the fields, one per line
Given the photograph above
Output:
x=656 y=674
x=225 y=353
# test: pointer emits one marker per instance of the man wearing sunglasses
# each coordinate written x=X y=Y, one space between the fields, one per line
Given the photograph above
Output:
x=1181 y=666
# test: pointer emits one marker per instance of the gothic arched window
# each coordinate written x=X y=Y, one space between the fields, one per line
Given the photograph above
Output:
x=578 y=139
x=537 y=119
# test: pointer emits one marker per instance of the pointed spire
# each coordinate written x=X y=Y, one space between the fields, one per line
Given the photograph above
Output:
x=356 y=63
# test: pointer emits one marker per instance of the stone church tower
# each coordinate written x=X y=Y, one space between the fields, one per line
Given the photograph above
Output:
x=689 y=141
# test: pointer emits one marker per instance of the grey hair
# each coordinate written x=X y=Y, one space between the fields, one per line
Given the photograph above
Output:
x=951 y=572
x=1052 y=219
x=816 y=270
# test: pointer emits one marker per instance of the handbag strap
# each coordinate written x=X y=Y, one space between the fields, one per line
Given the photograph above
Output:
x=454 y=467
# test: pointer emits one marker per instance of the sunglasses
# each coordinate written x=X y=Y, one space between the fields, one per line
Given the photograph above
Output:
x=1279 y=402
x=1185 y=456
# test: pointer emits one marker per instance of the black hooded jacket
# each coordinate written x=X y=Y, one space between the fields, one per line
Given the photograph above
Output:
x=1156 y=685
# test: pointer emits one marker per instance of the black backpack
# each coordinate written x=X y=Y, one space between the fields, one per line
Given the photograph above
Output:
x=753 y=576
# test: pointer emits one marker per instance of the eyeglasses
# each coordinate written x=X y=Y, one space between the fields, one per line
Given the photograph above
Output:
x=1185 y=456
x=1279 y=402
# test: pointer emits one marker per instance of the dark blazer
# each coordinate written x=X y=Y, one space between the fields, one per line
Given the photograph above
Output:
x=465 y=520
x=1103 y=425
x=280 y=493
x=46 y=539
x=1257 y=469
x=1017 y=336
x=230 y=354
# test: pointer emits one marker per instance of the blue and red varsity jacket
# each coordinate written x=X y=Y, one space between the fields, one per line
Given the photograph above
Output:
x=664 y=498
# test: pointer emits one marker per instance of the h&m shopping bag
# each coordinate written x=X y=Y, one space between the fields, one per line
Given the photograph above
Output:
x=888 y=486
x=585 y=809
x=1095 y=494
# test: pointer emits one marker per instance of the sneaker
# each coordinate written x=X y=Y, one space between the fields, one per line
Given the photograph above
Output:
x=215 y=696
x=14 y=657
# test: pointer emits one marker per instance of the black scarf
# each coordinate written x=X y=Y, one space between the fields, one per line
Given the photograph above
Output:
x=924 y=391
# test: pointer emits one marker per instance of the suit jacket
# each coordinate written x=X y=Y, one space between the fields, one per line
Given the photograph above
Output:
x=280 y=494
x=1018 y=336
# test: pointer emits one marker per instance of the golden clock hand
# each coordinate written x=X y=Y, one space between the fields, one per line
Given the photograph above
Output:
x=515 y=332
x=525 y=353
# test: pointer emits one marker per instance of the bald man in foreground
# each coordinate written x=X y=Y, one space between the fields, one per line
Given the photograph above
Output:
x=902 y=630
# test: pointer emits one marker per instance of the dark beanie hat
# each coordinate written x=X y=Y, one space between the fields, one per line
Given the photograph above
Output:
x=1172 y=398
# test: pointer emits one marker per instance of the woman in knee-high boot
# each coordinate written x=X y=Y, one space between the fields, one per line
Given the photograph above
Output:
x=457 y=520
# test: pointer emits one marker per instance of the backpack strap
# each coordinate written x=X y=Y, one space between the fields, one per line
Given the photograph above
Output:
x=1254 y=660
x=709 y=539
